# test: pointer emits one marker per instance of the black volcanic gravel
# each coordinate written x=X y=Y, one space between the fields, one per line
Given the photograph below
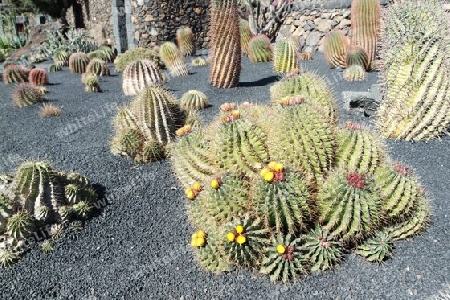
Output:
x=138 y=247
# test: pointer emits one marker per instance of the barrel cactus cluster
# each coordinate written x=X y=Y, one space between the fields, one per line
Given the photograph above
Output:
x=285 y=190
x=38 y=200
x=140 y=74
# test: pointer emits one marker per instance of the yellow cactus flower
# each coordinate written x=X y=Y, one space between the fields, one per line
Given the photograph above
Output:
x=236 y=114
x=230 y=237
x=200 y=234
x=241 y=239
x=281 y=249
x=272 y=165
x=278 y=167
x=194 y=242
x=197 y=186
x=263 y=172
x=239 y=229
x=269 y=176
x=190 y=194
x=215 y=184
x=194 y=235
x=200 y=242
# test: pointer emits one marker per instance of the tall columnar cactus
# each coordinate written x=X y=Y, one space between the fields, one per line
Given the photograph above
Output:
x=150 y=119
x=78 y=62
x=354 y=73
x=335 y=48
x=26 y=94
x=38 y=76
x=140 y=74
x=193 y=99
x=285 y=56
x=246 y=35
x=173 y=59
x=365 y=17
x=225 y=44
x=14 y=73
x=185 y=41
x=259 y=49
x=416 y=89
x=357 y=56
x=98 y=67
x=131 y=55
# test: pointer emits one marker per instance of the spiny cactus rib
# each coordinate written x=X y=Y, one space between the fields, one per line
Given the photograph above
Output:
x=377 y=248
x=354 y=73
x=78 y=62
x=357 y=56
x=38 y=76
x=212 y=255
x=335 y=48
x=283 y=205
x=185 y=40
x=284 y=259
x=14 y=73
x=285 y=56
x=365 y=17
x=173 y=59
x=348 y=205
x=20 y=225
x=131 y=55
x=358 y=149
x=26 y=94
x=193 y=100
x=198 y=61
x=246 y=35
x=140 y=74
x=90 y=82
x=54 y=68
x=225 y=44
x=322 y=250
x=259 y=49
x=61 y=58
x=98 y=67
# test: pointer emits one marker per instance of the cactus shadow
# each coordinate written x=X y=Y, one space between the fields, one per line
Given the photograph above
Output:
x=102 y=201
x=260 y=82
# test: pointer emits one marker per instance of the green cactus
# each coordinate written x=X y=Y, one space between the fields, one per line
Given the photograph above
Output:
x=54 y=68
x=20 y=225
x=8 y=257
x=365 y=18
x=285 y=56
x=245 y=240
x=225 y=44
x=173 y=59
x=98 y=67
x=246 y=35
x=323 y=252
x=122 y=60
x=259 y=49
x=284 y=259
x=105 y=53
x=61 y=58
x=377 y=248
x=38 y=76
x=185 y=40
x=90 y=81
x=356 y=56
x=78 y=62
x=358 y=149
x=83 y=209
x=193 y=100
x=26 y=94
x=415 y=88
x=198 y=61
x=211 y=255
x=6 y=210
x=140 y=74
x=14 y=74
x=335 y=48
x=354 y=73
x=282 y=202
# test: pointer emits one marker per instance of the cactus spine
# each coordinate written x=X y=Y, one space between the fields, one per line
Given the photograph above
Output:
x=193 y=100
x=173 y=59
x=246 y=35
x=14 y=73
x=37 y=77
x=225 y=44
x=26 y=94
x=131 y=55
x=98 y=67
x=78 y=62
x=285 y=56
x=185 y=41
x=140 y=74
x=354 y=73
x=335 y=48
x=259 y=49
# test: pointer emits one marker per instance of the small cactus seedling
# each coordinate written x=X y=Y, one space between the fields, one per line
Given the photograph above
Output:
x=173 y=59
x=335 y=48
x=323 y=252
x=78 y=62
x=259 y=49
x=131 y=55
x=14 y=74
x=377 y=248
x=185 y=40
x=246 y=35
x=90 y=81
x=54 y=68
x=285 y=56
x=140 y=74
x=193 y=100
x=98 y=67
x=26 y=94
x=20 y=225
x=38 y=76
x=354 y=73
x=198 y=61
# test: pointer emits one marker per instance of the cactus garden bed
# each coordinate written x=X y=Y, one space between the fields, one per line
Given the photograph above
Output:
x=139 y=245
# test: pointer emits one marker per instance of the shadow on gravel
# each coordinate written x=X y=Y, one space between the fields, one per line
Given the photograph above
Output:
x=101 y=202
x=54 y=83
x=260 y=82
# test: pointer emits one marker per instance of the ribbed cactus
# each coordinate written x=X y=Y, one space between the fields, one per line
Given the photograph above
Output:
x=98 y=67
x=225 y=43
x=104 y=53
x=152 y=117
x=211 y=254
x=6 y=210
x=140 y=74
x=281 y=199
x=365 y=17
x=90 y=81
x=377 y=248
x=131 y=55
x=38 y=76
x=246 y=35
x=284 y=260
x=14 y=73
x=259 y=49
x=173 y=59
x=354 y=73
x=416 y=89
x=20 y=225
x=349 y=207
x=198 y=61
x=185 y=40
x=356 y=56
x=54 y=68
x=358 y=149
x=323 y=251
x=285 y=56
x=78 y=62
x=26 y=94
x=61 y=58
x=193 y=100
x=335 y=48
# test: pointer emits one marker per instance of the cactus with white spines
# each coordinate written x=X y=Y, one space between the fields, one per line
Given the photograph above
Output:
x=173 y=59
x=285 y=56
x=140 y=74
x=193 y=100
x=185 y=40
x=78 y=62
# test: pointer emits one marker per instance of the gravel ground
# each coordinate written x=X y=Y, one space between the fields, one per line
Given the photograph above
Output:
x=138 y=247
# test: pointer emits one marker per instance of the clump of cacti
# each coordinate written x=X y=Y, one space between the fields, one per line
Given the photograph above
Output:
x=173 y=59
x=415 y=89
x=38 y=76
x=335 y=48
x=78 y=62
x=259 y=49
x=105 y=53
x=140 y=74
x=185 y=40
x=26 y=94
x=90 y=81
x=14 y=74
x=246 y=35
x=354 y=73
x=98 y=67
x=146 y=125
x=357 y=56
x=122 y=60
x=35 y=198
x=225 y=44
x=193 y=99
x=285 y=56
x=198 y=61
